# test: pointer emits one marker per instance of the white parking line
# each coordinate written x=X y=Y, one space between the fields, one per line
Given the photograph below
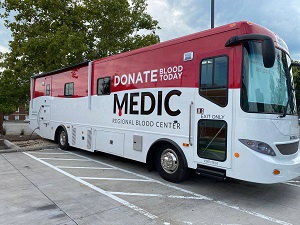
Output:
x=49 y=149
x=50 y=153
x=60 y=159
x=129 y=205
x=117 y=179
x=259 y=215
x=292 y=184
x=84 y=167
x=144 y=212
x=157 y=195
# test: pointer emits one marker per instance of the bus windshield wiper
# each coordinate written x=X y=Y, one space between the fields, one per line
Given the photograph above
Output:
x=285 y=108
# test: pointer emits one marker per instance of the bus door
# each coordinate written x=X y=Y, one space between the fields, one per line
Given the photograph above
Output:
x=213 y=111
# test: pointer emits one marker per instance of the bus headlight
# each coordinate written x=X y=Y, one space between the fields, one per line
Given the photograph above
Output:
x=258 y=146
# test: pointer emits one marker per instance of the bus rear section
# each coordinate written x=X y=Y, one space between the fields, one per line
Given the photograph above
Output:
x=219 y=102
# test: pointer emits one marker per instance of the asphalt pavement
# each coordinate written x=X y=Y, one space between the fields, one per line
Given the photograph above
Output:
x=51 y=186
x=31 y=193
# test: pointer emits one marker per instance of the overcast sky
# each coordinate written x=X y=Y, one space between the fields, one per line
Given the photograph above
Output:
x=182 y=17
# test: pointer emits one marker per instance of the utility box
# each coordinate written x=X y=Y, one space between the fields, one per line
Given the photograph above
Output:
x=137 y=142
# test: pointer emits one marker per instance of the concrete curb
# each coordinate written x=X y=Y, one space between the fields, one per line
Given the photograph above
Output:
x=11 y=145
x=14 y=148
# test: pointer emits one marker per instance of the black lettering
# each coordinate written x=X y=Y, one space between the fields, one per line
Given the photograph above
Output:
x=119 y=106
x=167 y=101
x=159 y=103
x=133 y=103
x=122 y=107
x=152 y=107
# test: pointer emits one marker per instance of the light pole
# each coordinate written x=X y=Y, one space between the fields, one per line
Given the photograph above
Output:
x=212 y=16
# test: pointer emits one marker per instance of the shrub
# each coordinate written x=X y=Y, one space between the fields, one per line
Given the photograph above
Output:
x=4 y=130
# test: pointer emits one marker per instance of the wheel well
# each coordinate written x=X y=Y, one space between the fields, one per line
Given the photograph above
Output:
x=150 y=160
x=57 y=132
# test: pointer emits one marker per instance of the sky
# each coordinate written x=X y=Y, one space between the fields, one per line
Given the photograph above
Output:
x=182 y=17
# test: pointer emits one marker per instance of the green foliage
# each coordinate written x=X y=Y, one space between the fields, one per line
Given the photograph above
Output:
x=296 y=76
x=13 y=91
x=50 y=34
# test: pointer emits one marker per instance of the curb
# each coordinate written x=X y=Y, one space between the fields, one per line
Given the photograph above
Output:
x=11 y=145
x=14 y=148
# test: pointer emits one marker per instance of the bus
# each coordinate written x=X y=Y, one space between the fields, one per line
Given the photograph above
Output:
x=220 y=102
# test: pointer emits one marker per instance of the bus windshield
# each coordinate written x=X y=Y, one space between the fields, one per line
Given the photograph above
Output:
x=266 y=90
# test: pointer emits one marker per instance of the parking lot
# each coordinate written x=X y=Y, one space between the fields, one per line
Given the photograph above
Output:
x=52 y=186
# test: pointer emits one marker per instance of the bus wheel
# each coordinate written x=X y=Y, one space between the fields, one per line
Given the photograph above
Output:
x=171 y=163
x=63 y=139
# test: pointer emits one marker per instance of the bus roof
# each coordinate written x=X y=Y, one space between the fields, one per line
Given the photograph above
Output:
x=244 y=27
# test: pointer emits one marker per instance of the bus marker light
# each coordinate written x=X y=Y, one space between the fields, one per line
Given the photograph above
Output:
x=276 y=172
x=236 y=155
x=185 y=145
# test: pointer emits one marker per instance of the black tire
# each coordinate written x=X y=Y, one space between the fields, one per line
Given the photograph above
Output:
x=63 y=139
x=171 y=163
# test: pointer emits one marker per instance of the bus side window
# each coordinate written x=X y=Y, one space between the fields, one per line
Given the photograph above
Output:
x=103 y=86
x=214 y=79
x=47 y=89
x=69 y=89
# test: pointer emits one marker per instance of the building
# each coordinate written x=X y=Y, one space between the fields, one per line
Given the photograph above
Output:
x=19 y=114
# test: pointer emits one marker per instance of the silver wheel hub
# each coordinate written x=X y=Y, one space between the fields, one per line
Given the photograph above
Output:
x=169 y=161
x=63 y=138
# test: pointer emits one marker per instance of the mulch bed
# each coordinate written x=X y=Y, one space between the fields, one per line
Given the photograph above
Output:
x=24 y=141
x=13 y=138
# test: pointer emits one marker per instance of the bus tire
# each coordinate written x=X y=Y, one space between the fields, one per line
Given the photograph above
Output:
x=171 y=163
x=63 y=139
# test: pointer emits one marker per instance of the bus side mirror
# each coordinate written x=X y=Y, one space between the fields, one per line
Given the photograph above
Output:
x=268 y=47
x=268 y=52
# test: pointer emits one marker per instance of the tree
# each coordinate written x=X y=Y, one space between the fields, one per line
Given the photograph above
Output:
x=11 y=94
x=51 y=34
x=296 y=77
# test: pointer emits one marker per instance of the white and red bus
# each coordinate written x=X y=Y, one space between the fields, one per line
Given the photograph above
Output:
x=220 y=102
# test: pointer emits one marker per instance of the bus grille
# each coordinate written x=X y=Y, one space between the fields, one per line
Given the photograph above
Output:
x=288 y=149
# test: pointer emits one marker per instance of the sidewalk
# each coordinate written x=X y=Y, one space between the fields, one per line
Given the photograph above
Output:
x=17 y=127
